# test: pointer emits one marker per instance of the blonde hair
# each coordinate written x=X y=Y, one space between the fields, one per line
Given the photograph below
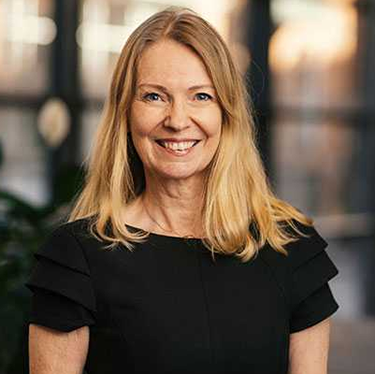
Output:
x=241 y=213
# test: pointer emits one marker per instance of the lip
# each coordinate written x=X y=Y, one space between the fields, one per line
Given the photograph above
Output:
x=171 y=152
x=177 y=140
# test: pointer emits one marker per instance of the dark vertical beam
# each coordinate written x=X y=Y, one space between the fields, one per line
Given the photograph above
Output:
x=65 y=84
x=259 y=28
x=364 y=180
x=65 y=54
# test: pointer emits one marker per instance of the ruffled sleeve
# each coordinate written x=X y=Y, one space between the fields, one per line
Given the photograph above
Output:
x=312 y=300
x=63 y=295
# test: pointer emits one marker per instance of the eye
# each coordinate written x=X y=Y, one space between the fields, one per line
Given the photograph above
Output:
x=203 y=96
x=151 y=96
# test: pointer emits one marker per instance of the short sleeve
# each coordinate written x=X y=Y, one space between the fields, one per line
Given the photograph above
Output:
x=63 y=295
x=312 y=300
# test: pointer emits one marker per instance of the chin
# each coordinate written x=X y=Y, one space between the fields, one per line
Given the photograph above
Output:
x=177 y=173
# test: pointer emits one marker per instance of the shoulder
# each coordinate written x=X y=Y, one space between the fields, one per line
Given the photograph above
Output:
x=63 y=245
x=309 y=265
x=306 y=247
x=306 y=268
x=62 y=268
x=74 y=228
x=79 y=230
x=308 y=253
x=300 y=249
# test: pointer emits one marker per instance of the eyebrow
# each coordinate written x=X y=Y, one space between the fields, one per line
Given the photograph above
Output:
x=164 y=89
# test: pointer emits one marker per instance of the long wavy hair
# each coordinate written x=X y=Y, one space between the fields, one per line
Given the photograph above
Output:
x=241 y=213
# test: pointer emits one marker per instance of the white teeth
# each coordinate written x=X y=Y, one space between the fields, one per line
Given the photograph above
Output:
x=178 y=146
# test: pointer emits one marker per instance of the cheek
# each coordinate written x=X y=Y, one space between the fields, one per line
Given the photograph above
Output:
x=212 y=121
x=144 y=118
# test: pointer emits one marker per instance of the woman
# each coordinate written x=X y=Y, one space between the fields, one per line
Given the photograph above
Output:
x=177 y=257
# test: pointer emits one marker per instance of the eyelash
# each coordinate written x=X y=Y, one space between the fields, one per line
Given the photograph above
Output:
x=146 y=96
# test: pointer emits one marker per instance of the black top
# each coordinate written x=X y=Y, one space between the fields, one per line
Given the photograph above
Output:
x=167 y=307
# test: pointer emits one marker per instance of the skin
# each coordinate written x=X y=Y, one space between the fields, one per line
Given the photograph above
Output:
x=174 y=185
x=52 y=351
x=173 y=194
x=308 y=352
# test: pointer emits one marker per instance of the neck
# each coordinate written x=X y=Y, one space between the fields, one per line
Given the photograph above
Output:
x=175 y=209
x=171 y=207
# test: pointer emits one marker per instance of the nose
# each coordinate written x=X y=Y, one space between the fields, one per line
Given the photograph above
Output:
x=177 y=117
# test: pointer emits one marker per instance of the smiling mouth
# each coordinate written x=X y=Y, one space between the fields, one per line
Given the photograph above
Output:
x=173 y=146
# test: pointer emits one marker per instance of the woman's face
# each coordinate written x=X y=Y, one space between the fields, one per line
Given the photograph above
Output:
x=175 y=105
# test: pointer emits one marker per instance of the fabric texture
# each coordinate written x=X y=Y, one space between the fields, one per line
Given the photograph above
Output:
x=58 y=312
x=168 y=308
x=312 y=268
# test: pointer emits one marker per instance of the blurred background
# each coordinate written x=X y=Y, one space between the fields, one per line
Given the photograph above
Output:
x=309 y=66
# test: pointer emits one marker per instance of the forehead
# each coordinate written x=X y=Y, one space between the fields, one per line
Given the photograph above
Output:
x=169 y=62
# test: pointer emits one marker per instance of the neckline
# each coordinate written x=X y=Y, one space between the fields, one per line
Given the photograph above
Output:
x=164 y=237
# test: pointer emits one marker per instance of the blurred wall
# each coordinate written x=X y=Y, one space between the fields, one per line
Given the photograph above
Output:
x=308 y=65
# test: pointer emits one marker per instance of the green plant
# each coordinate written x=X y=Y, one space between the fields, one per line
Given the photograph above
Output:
x=22 y=230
